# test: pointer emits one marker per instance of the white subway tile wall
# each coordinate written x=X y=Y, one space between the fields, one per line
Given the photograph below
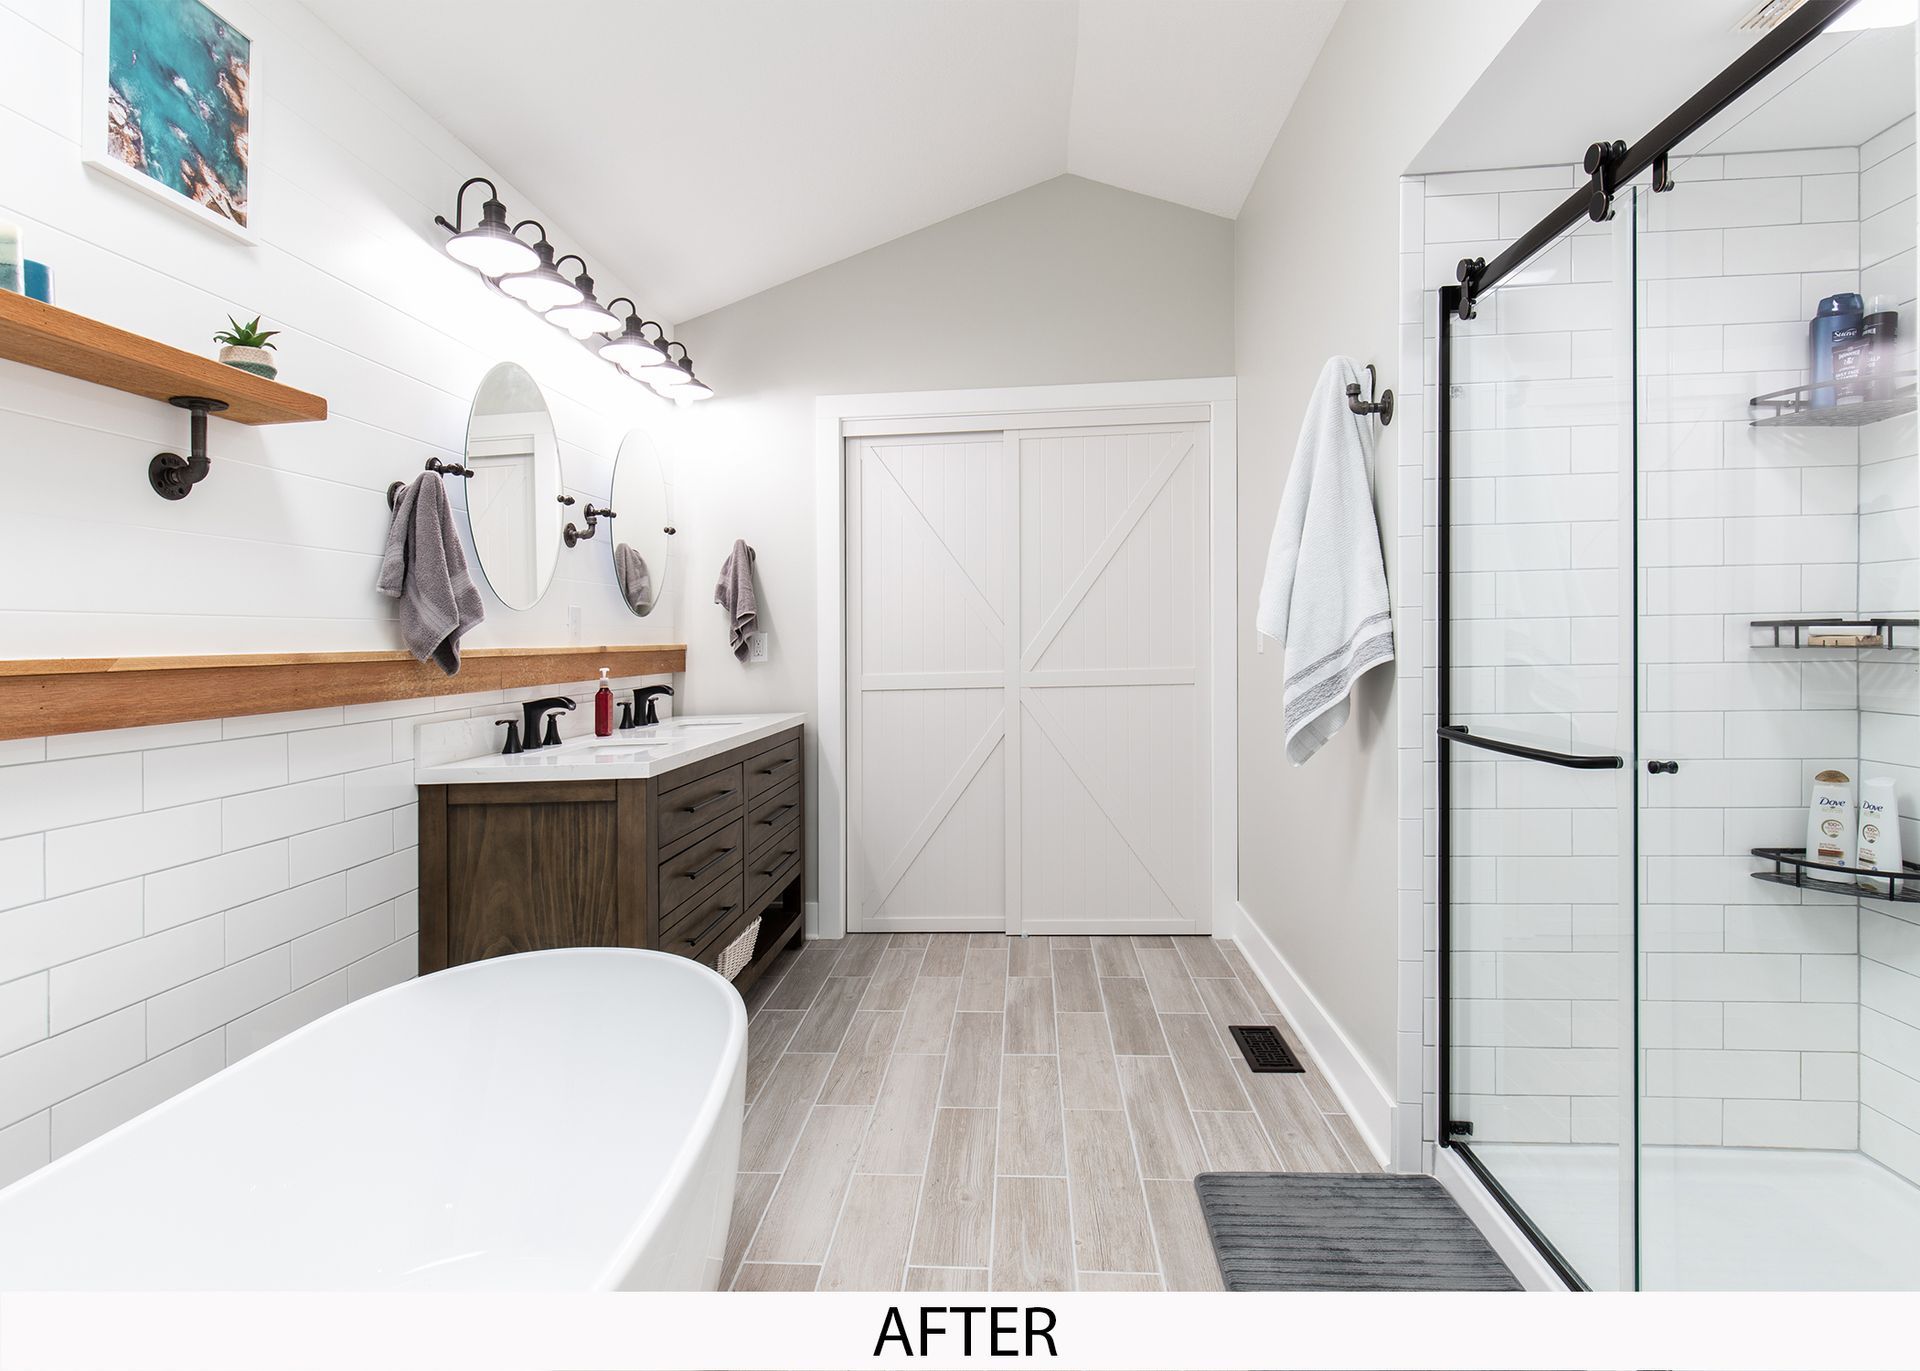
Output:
x=142 y=952
x=1770 y=1018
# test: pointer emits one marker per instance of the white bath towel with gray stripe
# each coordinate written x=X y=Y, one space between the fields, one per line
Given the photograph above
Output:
x=1325 y=592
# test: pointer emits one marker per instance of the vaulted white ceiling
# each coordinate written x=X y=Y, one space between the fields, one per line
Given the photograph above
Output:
x=703 y=150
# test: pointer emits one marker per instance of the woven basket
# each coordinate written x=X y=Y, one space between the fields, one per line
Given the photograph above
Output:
x=733 y=960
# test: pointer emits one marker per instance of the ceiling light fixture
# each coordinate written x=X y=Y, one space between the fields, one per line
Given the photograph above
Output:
x=542 y=288
x=676 y=379
x=587 y=316
x=489 y=247
x=632 y=350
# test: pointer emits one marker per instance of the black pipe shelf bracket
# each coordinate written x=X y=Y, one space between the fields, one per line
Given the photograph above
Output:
x=172 y=476
x=575 y=536
x=1382 y=406
x=433 y=464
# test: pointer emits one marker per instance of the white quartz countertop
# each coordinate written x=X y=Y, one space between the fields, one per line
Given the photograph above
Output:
x=630 y=754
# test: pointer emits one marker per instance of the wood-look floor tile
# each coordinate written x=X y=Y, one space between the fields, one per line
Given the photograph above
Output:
x=1203 y=959
x=946 y=1278
x=896 y=1141
x=1355 y=1146
x=1076 y=941
x=983 y=986
x=1087 y=1076
x=1113 y=956
x=869 y=1250
x=1159 y=940
x=1227 y=1004
x=1029 y=956
x=1130 y=1012
x=768 y=1276
x=1323 y=1097
x=1030 y=1143
x=1235 y=1142
x=762 y=990
x=946 y=955
x=1032 y=1234
x=1162 y=1128
x=811 y=967
x=800 y=1217
x=751 y=1191
x=955 y=1222
x=928 y=1022
x=1204 y=1069
x=1180 y=1233
x=1118 y=1280
x=973 y=1064
x=1030 y=1014
x=1110 y=1230
x=893 y=978
x=862 y=1060
x=1167 y=978
x=1251 y=983
x=994 y=940
x=826 y=1023
x=908 y=939
x=1076 y=988
x=1301 y=1138
x=862 y=954
x=774 y=1123
x=767 y=1037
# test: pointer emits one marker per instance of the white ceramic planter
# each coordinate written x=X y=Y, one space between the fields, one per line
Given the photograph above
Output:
x=259 y=361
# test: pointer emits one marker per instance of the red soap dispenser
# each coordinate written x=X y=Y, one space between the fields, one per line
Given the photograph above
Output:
x=603 y=707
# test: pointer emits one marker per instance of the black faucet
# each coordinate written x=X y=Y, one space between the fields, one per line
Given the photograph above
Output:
x=533 y=710
x=644 y=705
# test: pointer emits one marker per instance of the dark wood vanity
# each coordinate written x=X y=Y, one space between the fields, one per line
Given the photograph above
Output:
x=681 y=862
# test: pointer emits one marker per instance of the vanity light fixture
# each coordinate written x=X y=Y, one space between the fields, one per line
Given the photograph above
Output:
x=632 y=349
x=586 y=316
x=489 y=247
x=529 y=273
x=542 y=288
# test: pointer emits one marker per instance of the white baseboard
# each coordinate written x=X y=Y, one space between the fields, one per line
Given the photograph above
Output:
x=1369 y=1103
x=810 y=922
x=1515 y=1248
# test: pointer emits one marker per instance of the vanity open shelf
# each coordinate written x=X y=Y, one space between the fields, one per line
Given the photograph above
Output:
x=1791 y=867
x=1801 y=630
x=1793 y=407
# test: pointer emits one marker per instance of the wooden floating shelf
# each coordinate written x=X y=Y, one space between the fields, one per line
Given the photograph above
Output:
x=54 y=339
x=81 y=695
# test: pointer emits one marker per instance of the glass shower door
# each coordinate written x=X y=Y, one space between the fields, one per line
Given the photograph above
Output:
x=1536 y=721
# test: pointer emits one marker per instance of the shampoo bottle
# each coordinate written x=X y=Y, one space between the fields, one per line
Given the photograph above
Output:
x=1830 y=834
x=1879 y=848
x=603 y=707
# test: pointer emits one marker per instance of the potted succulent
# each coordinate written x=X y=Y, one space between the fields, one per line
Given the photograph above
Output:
x=245 y=346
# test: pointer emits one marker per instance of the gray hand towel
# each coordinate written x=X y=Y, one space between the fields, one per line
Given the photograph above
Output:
x=630 y=571
x=735 y=593
x=424 y=568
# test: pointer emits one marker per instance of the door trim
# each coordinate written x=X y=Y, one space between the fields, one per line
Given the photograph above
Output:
x=839 y=417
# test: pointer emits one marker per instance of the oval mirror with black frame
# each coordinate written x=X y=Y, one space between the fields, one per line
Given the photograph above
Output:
x=513 y=494
x=642 y=542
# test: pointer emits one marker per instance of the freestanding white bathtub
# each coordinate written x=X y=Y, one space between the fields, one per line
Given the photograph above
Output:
x=551 y=1121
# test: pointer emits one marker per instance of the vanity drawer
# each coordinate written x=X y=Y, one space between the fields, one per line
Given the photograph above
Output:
x=699 y=802
x=692 y=869
x=773 y=861
x=769 y=814
x=693 y=930
x=773 y=768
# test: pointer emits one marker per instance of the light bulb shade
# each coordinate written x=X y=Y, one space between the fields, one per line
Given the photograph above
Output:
x=543 y=288
x=694 y=389
x=669 y=377
x=633 y=350
x=585 y=318
x=489 y=247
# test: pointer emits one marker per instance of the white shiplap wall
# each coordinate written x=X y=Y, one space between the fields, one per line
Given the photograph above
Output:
x=172 y=898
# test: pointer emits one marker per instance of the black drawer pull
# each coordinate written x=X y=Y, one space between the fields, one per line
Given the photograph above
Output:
x=705 y=867
x=719 y=918
x=696 y=807
x=777 y=767
x=777 y=865
x=773 y=815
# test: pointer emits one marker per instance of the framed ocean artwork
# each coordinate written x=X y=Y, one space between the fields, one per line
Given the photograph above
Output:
x=171 y=87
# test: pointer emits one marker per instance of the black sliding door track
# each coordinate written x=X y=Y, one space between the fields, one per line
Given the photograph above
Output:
x=1617 y=166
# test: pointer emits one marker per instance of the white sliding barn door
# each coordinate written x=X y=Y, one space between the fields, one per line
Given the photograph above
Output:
x=1027 y=647
x=1113 y=699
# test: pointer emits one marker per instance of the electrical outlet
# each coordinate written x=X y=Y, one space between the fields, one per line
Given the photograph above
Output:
x=757 y=647
x=573 y=625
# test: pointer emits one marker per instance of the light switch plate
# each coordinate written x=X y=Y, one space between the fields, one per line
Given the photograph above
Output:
x=757 y=647
x=573 y=625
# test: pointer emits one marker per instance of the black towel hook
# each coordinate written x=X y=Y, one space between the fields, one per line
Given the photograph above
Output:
x=1382 y=406
x=433 y=464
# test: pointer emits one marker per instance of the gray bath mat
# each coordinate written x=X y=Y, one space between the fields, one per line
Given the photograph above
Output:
x=1321 y=1231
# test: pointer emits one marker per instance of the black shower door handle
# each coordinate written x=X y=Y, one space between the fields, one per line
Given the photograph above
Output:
x=1662 y=768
